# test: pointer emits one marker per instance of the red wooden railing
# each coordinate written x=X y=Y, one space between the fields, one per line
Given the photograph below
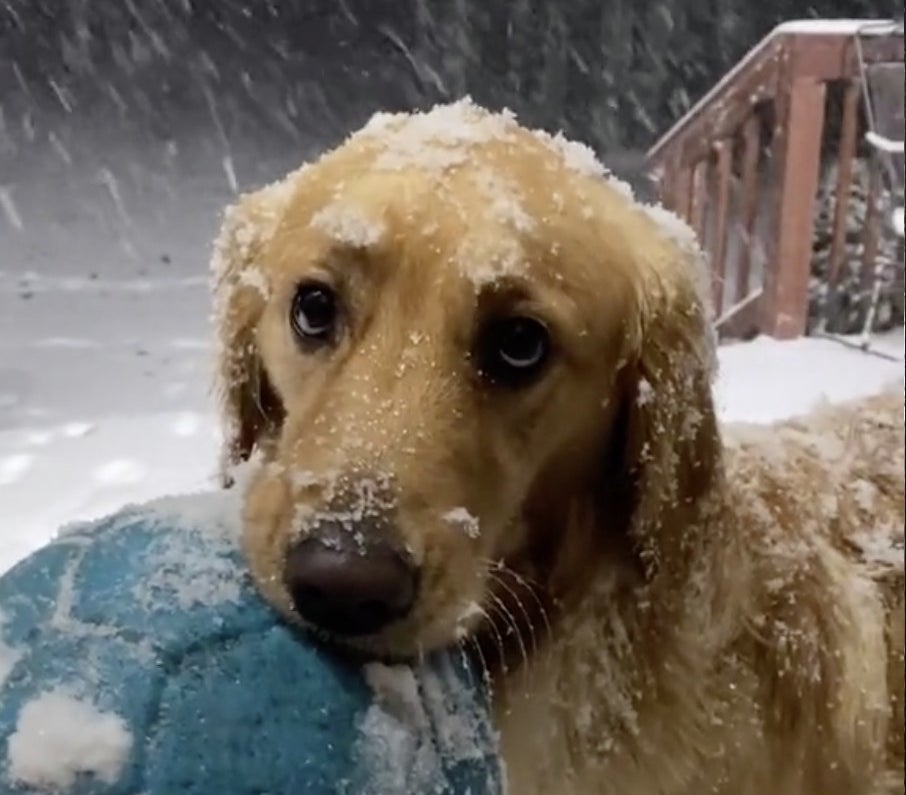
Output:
x=743 y=167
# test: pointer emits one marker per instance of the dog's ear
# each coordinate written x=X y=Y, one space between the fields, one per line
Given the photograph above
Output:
x=670 y=447
x=250 y=409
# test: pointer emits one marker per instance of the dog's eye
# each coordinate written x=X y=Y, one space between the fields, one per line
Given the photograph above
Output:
x=314 y=311
x=512 y=350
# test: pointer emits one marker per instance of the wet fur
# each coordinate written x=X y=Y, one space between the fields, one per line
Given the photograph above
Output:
x=697 y=609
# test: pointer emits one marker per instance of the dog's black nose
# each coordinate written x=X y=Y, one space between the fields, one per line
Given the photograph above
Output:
x=347 y=584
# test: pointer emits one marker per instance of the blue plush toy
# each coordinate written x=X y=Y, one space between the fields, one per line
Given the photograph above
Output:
x=136 y=657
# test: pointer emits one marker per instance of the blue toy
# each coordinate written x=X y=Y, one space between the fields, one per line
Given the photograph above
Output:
x=136 y=657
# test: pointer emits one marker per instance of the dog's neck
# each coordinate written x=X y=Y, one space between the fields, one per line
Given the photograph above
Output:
x=599 y=690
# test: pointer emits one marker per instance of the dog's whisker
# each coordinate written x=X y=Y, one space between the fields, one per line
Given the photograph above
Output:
x=485 y=670
x=484 y=674
x=523 y=583
x=541 y=651
x=496 y=564
x=496 y=567
x=498 y=580
x=542 y=609
x=510 y=621
x=498 y=638
x=498 y=572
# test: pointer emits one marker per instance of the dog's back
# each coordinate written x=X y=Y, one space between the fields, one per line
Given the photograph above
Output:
x=874 y=432
x=827 y=498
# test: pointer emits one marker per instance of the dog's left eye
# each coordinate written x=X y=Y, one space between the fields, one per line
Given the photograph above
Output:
x=513 y=350
x=314 y=311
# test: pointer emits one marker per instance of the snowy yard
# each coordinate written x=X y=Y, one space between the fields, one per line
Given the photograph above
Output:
x=104 y=338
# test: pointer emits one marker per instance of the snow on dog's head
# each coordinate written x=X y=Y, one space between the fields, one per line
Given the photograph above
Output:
x=460 y=314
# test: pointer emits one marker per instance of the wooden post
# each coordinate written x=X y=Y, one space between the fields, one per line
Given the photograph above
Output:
x=750 y=188
x=723 y=174
x=798 y=152
x=665 y=184
x=698 y=202
x=682 y=186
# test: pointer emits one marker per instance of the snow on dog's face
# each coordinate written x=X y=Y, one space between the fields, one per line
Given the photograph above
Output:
x=434 y=338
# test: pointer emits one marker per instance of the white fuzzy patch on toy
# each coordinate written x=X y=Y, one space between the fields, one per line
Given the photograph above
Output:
x=58 y=737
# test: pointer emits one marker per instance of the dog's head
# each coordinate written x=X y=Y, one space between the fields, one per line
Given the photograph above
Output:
x=470 y=365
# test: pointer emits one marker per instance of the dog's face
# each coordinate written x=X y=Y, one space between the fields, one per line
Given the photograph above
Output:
x=432 y=335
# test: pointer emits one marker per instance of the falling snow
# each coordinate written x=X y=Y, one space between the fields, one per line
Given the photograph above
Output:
x=126 y=128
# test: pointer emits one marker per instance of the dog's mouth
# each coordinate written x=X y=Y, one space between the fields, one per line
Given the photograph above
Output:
x=404 y=640
x=501 y=630
x=351 y=580
x=373 y=606
x=360 y=648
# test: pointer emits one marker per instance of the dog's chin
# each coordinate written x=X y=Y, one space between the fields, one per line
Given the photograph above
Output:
x=366 y=648
x=397 y=644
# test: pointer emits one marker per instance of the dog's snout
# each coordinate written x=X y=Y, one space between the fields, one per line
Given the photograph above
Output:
x=349 y=585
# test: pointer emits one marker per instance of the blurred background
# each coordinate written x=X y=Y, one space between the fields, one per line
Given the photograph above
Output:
x=126 y=125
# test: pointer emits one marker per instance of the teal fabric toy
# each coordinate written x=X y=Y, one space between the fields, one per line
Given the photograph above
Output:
x=136 y=657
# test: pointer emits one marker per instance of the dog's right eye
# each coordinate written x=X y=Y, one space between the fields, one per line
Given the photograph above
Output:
x=314 y=312
x=512 y=351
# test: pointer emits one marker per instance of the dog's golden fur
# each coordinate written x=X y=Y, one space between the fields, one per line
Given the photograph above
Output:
x=697 y=609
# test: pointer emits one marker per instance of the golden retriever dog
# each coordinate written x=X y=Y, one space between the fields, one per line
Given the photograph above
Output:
x=474 y=375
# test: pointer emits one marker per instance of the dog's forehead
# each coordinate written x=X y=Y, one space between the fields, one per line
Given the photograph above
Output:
x=461 y=192
x=481 y=218
x=469 y=235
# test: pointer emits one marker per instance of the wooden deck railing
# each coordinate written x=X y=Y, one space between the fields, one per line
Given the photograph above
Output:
x=743 y=167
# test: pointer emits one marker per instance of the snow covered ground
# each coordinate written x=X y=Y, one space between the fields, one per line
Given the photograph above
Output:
x=104 y=350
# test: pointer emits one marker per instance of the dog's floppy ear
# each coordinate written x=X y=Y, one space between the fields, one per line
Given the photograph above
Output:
x=671 y=446
x=250 y=410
